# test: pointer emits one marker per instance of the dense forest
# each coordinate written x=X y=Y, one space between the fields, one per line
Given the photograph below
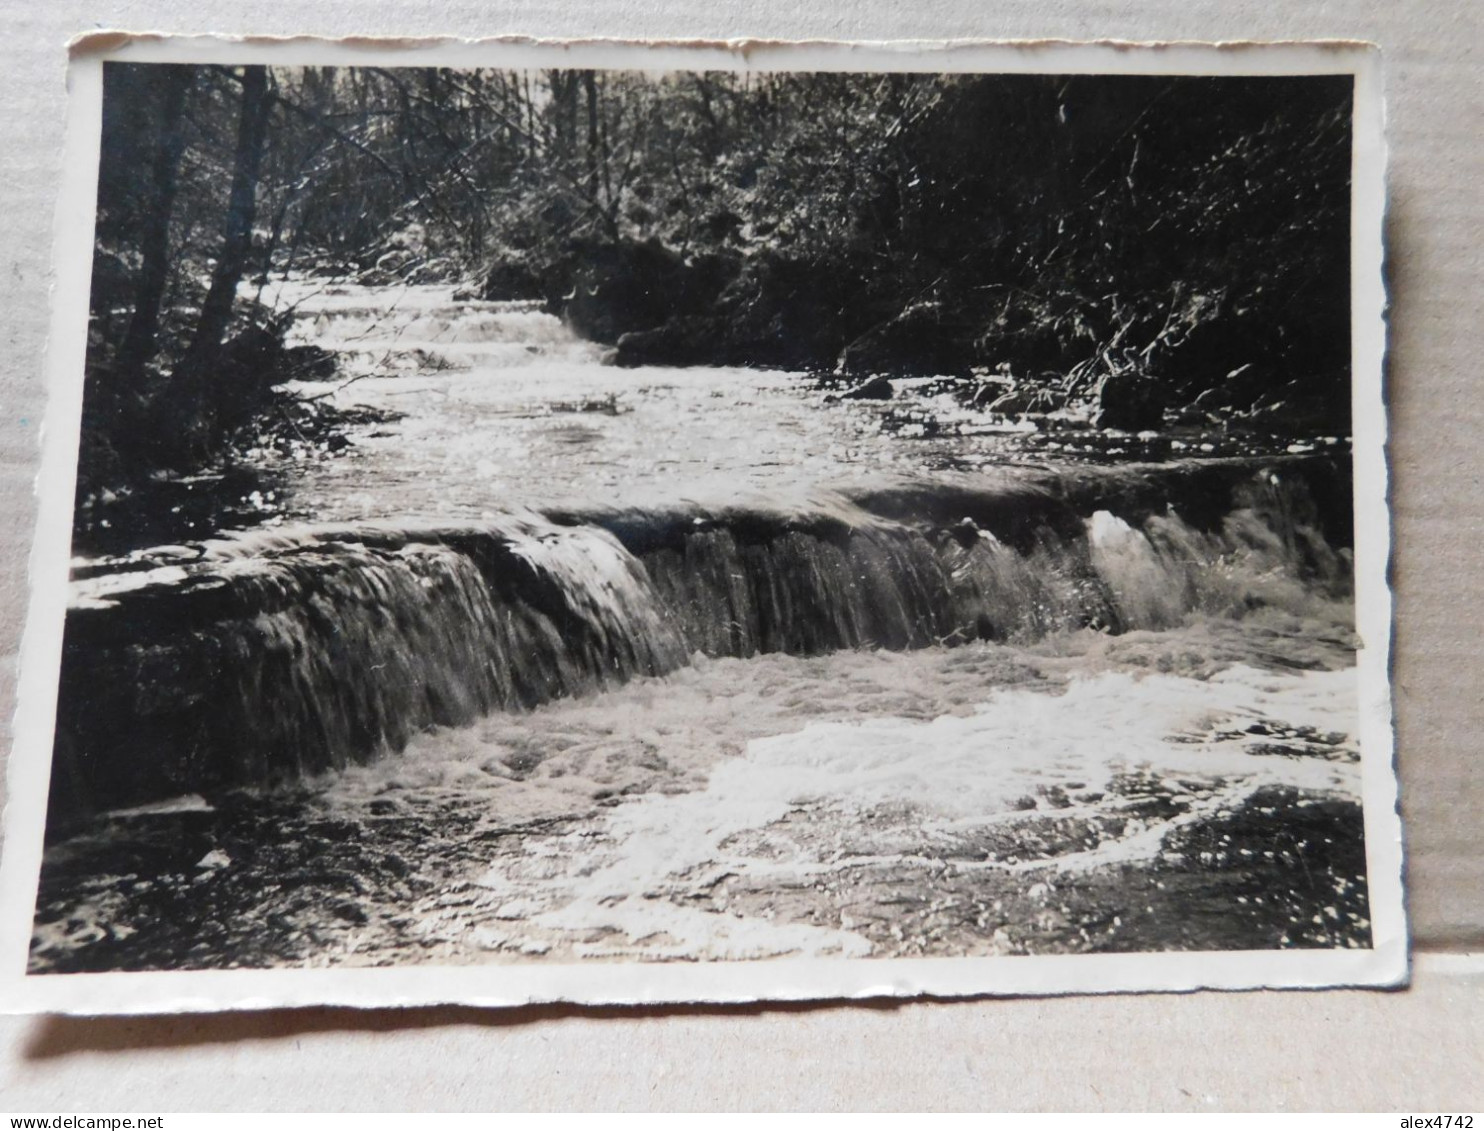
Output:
x=1144 y=249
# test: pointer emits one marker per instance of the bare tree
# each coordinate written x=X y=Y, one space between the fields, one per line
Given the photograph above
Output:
x=187 y=392
x=141 y=342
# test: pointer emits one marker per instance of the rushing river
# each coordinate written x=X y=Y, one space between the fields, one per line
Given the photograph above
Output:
x=560 y=660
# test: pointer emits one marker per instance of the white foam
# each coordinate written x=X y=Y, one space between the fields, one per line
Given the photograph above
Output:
x=947 y=773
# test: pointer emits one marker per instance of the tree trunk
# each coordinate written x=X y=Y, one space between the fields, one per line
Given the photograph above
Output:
x=190 y=394
x=141 y=340
x=590 y=88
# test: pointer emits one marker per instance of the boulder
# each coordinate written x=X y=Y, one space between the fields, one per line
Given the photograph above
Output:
x=1012 y=403
x=1311 y=407
x=616 y=288
x=877 y=388
x=509 y=280
x=691 y=340
x=1025 y=399
x=608 y=290
x=924 y=340
x=986 y=393
x=1042 y=333
x=1200 y=353
x=307 y=363
x=791 y=312
x=1129 y=402
x=1239 y=389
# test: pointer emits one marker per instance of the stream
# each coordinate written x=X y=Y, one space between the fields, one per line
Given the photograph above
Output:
x=557 y=661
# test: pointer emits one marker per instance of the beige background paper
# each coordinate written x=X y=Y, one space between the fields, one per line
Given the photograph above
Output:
x=1420 y=1050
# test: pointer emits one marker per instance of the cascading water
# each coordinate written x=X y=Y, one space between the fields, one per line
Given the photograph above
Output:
x=279 y=654
x=293 y=652
x=688 y=663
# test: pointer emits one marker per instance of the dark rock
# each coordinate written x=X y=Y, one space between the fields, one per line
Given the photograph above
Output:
x=307 y=363
x=1191 y=417
x=694 y=340
x=1200 y=354
x=965 y=532
x=511 y=279
x=986 y=393
x=1246 y=383
x=350 y=911
x=925 y=339
x=1042 y=333
x=1012 y=403
x=688 y=318
x=791 y=312
x=1305 y=408
x=1026 y=400
x=876 y=388
x=613 y=289
x=1239 y=389
x=1129 y=402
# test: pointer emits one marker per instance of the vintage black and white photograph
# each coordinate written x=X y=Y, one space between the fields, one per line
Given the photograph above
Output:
x=542 y=516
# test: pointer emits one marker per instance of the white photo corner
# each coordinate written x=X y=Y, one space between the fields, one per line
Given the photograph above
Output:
x=597 y=522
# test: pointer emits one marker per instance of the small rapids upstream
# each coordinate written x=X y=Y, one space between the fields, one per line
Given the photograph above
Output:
x=762 y=711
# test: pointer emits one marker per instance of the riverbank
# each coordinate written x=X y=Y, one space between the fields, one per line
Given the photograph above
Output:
x=436 y=404
x=1201 y=357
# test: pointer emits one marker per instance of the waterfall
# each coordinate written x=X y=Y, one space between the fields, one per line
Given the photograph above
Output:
x=397 y=331
x=274 y=654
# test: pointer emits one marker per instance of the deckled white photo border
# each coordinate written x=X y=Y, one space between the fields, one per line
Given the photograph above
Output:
x=720 y=981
